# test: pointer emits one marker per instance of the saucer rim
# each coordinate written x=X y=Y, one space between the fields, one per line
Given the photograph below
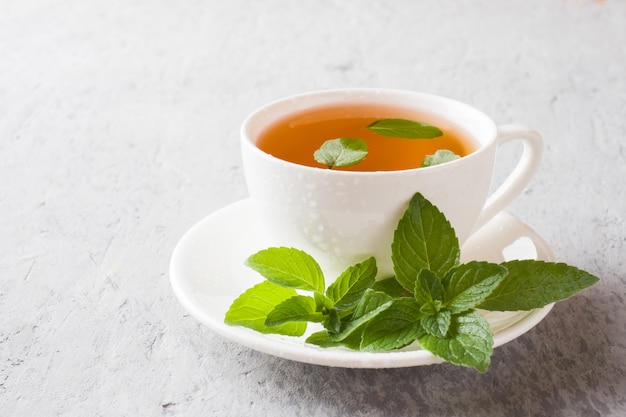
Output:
x=288 y=348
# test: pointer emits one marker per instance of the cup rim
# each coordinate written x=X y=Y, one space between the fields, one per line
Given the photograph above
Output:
x=248 y=143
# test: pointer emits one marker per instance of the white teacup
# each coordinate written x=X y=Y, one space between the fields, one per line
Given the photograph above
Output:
x=343 y=217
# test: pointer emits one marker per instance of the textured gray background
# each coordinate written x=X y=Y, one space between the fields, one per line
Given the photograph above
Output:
x=119 y=130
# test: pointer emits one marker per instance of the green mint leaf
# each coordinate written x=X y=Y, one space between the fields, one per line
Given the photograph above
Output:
x=323 y=339
x=438 y=324
x=424 y=239
x=348 y=289
x=322 y=303
x=288 y=267
x=430 y=309
x=468 y=285
x=391 y=287
x=533 y=284
x=428 y=290
x=440 y=157
x=296 y=308
x=342 y=152
x=393 y=328
x=403 y=128
x=251 y=308
x=332 y=322
x=372 y=303
x=371 y=300
x=469 y=341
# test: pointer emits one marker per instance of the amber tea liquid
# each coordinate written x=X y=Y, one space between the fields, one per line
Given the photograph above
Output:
x=296 y=137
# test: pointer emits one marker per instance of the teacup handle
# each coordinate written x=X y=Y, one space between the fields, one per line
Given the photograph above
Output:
x=519 y=178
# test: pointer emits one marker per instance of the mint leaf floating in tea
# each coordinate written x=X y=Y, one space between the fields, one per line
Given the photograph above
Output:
x=342 y=152
x=404 y=128
x=440 y=157
x=346 y=152
x=433 y=299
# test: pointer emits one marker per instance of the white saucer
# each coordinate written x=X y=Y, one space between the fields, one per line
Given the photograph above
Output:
x=207 y=273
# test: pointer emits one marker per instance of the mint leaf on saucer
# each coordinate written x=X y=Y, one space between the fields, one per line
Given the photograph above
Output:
x=251 y=308
x=288 y=267
x=440 y=157
x=437 y=324
x=372 y=304
x=341 y=152
x=332 y=321
x=469 y=341
x=322 y=303
x=424 y=239
x=396 y=327
x=297 y=308
x=348 y=288
x=428 y=292
x=391 y=287
x=534 y=284
x=432 y=299
x=323 y=339
x=470 y=284
x=403 y=128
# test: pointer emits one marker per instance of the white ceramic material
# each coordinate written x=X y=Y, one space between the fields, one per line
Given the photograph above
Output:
x=207 y=273
x=347 y=216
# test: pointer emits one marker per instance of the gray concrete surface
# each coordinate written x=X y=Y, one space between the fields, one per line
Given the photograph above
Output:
x=119 y=130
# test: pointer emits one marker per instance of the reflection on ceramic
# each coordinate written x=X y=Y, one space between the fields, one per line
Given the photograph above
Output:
x=207 y=273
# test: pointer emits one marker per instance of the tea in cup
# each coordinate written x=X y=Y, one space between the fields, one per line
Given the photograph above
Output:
x=345 y=215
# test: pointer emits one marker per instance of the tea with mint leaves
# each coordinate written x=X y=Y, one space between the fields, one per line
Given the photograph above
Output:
x=296 y=138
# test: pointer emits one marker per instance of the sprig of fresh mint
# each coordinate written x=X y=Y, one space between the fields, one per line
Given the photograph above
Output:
x=433 y=300
x=345 y=152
